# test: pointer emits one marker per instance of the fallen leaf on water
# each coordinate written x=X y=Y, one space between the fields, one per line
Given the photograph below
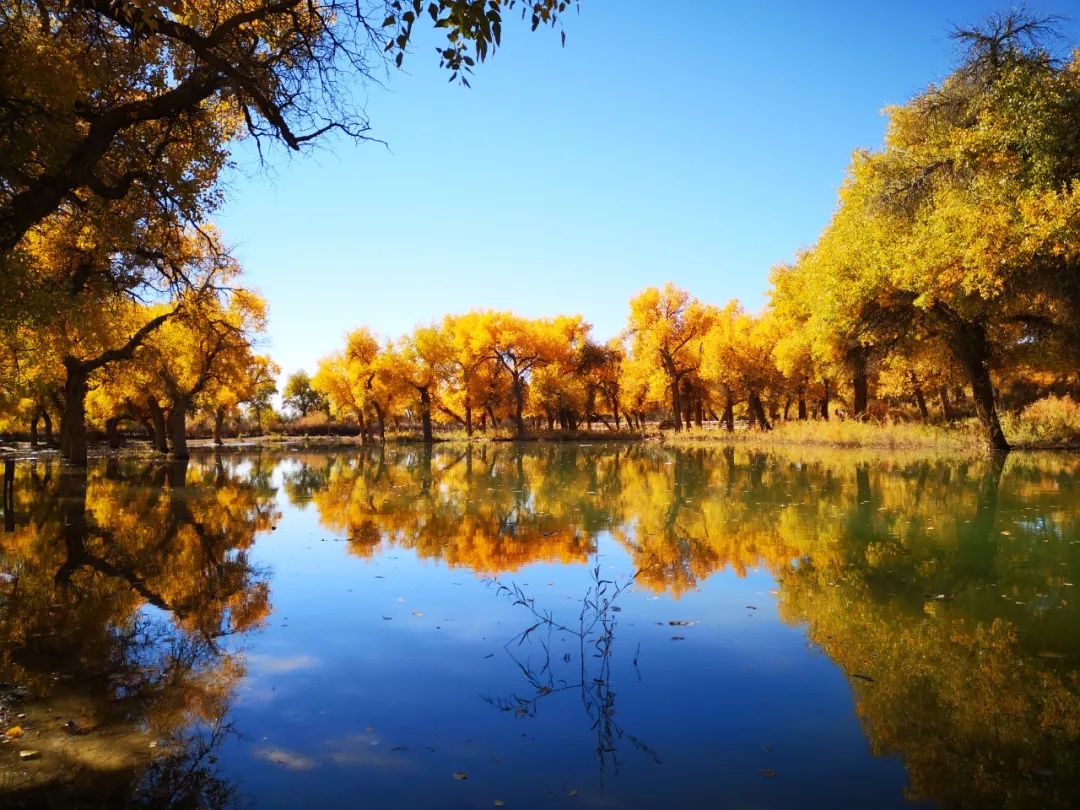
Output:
x=678 y=638
x=680 y=623
x=461 y=776
x=15 y=732
x=572 y=792
x=1042 y=654
x=417 y=613
x=768 y=773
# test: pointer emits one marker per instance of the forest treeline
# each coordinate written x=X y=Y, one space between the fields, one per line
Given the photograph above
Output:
x=949 y=270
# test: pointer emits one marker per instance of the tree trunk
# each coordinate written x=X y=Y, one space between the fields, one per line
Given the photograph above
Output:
x=112 y=433
x=946 y=407
x=219 y=422
x=381 y=416
x=729 y=413
x=699 y=412
x=802 y=404
x=859 y=383
x=33 y=429
x=178 y=427
x=47 y=420
x=73 y=424
x=615 y=411
x=676 y=405
x=160 y=428
x=825 y=400
x=973 y=351
x=758 y=411
x=519 y=406
x=425 y=415
x=468 y=416
x=920 y=401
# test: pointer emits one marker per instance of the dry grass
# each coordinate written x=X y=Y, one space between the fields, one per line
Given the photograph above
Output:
x=848 y=433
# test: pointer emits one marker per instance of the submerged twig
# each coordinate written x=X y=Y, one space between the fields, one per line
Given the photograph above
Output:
x=595 y=637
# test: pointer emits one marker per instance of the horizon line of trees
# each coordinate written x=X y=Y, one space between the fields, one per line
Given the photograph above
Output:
x=951 y=265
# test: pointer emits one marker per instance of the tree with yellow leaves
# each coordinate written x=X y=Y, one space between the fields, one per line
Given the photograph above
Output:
x=966 y=226
x=738 y=359
x=126 y=99
x=666 y=328
x=207 y=343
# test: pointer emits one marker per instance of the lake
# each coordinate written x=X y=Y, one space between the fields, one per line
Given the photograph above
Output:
x=542 y=626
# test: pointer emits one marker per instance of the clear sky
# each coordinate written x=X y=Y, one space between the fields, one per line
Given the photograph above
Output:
x=698 y=142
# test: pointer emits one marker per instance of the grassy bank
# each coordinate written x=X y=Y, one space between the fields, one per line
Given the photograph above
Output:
x=965 y=436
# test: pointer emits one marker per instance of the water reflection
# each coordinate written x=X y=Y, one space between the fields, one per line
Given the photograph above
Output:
x=118 y=587
x=943 y=589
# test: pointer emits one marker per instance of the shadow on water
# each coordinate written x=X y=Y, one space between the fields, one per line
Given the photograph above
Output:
x=943 y=590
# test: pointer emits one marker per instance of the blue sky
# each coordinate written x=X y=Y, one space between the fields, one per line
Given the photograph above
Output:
x=697 y=142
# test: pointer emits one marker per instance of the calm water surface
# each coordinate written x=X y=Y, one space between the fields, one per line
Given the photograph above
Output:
x=542 y=627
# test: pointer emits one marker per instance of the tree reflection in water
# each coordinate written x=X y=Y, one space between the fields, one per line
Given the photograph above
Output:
x=118 y=586
x=943 y=588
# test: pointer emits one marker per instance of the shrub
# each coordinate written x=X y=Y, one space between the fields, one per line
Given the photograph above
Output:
x=1049 y=421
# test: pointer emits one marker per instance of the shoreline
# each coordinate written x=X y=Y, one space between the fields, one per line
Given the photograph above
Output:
x=875 y=439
